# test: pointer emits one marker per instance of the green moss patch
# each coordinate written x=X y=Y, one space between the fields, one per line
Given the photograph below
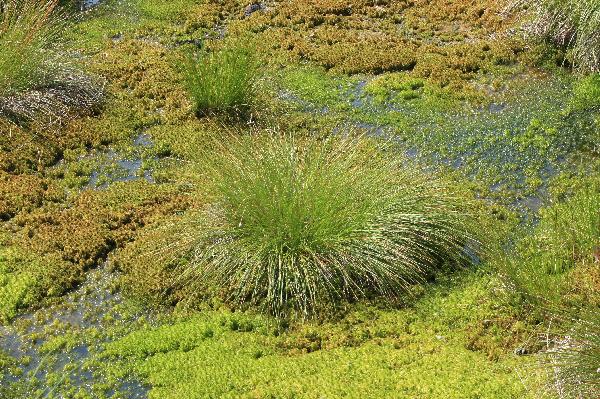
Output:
x=407 y=352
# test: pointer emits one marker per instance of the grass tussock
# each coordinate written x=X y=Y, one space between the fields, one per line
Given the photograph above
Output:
x=298 y=225
x=37 y=79
x=222 y=81
x=549 y=265
x=570 y=24
x=575 y=360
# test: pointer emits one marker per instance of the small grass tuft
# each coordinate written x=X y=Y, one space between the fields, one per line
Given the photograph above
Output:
x=299 y=225
x=223 y=80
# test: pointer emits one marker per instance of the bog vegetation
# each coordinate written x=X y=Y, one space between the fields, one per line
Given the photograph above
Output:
x=223 y=80
x=298 y=223
x=551 y=265
x=37 y=78
x=574 y=25
x=299 y=199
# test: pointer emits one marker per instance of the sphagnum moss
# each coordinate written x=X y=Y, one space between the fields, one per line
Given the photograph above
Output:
x=430 y=358
x=297 y=225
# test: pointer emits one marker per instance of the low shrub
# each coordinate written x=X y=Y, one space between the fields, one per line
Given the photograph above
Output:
x=298 y=225
x=36 y=78
x=571 y=24
x=222 y=81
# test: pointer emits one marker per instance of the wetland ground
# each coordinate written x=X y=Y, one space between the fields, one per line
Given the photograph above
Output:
x=94 y=207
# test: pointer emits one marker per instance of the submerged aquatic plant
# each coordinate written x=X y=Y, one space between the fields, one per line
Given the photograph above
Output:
x=571 y=24
x=37 y=79
x=222 y=81
x=297 y=225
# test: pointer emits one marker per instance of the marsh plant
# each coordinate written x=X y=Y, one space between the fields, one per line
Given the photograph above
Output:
x=300 y=224
x=566 y=239
x=575 y=360
x=571 y=24
x=37 y=78
x=222 y=80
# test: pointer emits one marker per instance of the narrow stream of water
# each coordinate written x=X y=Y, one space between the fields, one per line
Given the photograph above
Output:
x=92 y=307
x=116 y=168
x=479 y=141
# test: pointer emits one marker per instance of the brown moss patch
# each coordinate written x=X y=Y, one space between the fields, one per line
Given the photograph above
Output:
x=145 y=79
x=152 y=264
x=80 y=235
x=25 y=193
x=446 y=41
x=23 y=150
x=35 y=148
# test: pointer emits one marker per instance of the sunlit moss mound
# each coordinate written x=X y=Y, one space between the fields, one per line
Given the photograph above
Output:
x=296 y=225
x=586 y=94
x=425 y=351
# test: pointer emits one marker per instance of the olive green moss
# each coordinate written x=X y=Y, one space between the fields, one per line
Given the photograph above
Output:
x=51 y=248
